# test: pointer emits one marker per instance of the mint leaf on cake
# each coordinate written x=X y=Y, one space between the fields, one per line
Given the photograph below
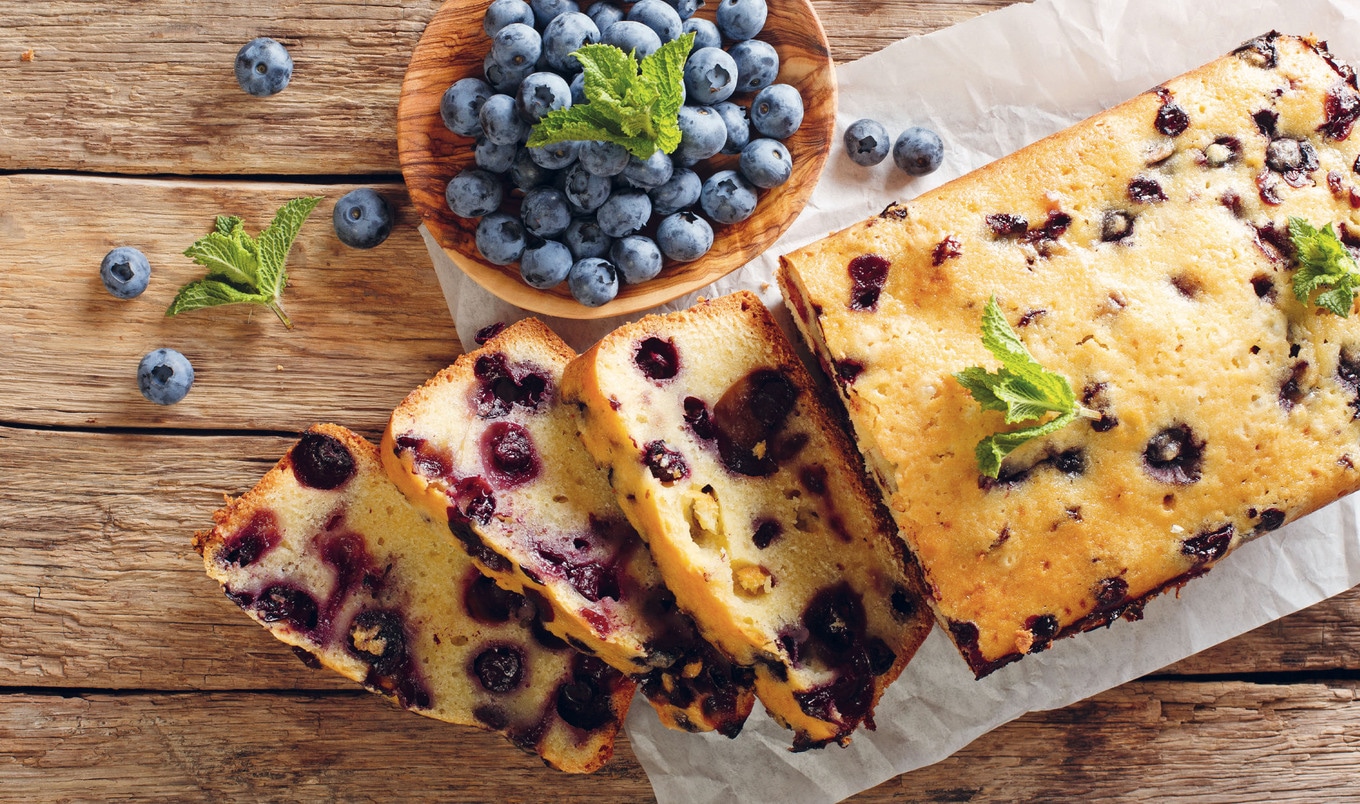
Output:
x=244 y=269
x=1324 y=264
x=1022 y=389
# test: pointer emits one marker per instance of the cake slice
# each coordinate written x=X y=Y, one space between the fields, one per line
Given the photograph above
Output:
x=725 y=459
x=486 y=447
x=1145 y=255
x=330 y=557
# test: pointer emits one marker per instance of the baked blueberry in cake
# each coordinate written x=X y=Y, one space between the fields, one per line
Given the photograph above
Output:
x=330 y=557
x=725 y=459
x=1145 y=255
x=486 y=447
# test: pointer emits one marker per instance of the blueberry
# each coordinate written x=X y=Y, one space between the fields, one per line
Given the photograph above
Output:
x=702 y=134
x=603 y=158
x=604 y=14
x=624 y=213
x=516 y=45
x=545 y=264
x=125 y=272
x=658 y=16
x=636 y=258
x=263 y=67
x=593 y=281
x=165 y=376
x=741 y=19
x=500 y=238
x=564 y=36
x=555 y=156
x=727 y=197
x=503 y=12
x=710 y=76
x=705 y=33
x=585 y=238
x=738 y=127
x=757 y=64
x=867 y=142
x=578 y=88
x=681 y=191
x=526 y=174
x=766 y=163
x=460 y=104
x=494 y=158
x=777 y=111
x=631 y=37
x=645 y=174
x=541 y=93
x=501 y=122
x=546 y=10
x=473 y=193
x=685 y=8
x=584 y=190
x=362 y=218
x=684 y=236
x=918 y=151
x=505 y=80
x=544 y=212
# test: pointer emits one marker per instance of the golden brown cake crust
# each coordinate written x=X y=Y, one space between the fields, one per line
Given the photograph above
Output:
x=1143 y=254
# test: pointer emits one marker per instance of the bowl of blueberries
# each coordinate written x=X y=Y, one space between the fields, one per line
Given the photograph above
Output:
x=597 y=226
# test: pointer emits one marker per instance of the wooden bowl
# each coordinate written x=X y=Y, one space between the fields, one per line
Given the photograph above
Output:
x=453 y=47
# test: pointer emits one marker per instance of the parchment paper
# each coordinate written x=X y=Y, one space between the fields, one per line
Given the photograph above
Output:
x=990 y=86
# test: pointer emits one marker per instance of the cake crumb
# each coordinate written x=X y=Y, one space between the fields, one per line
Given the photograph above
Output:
x=27 y=55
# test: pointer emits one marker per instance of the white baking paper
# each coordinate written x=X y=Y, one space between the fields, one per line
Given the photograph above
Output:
x=990 y=86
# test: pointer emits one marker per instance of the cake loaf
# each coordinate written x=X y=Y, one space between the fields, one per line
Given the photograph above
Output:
x=1144 y=254
x=724 y=457
x=330 y=557
x=487 y=447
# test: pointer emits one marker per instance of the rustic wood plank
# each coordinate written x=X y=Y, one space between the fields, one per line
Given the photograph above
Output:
x=1147 y=741
x=147 y=88
x=370 y=325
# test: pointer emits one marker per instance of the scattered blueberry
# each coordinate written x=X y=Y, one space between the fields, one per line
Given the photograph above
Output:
x=653 y=171
x=516 y=45
x=636 y=258
x=738 y=127
x=545 y=265
x=679 y=192
x=624 y=213
x=766 y=163
x=705 y=33
x=727 y=197
x=658 y=16
x=125 y=272
x=503 y=12
x=165 y=376
x=867 y=142
x=263 y=67
x=918 y=151
x=604 y=14
x=362 y=218
x=631 y=37
x=555 y=156
x=757 y=64
x=541 y=93
x=500 y=238
x=741 y=19
x=494 y=158
x=585 y=238
x=462 y=101
x=603 y=158
x=563 y=36
x=703 y=133
x=546 y=10
x=584 y=190
x=684 y=236
x=776 y=111
x=593 y=281
x=544 y=212
x=710 y=76
x=501 y=122
x=473 y=193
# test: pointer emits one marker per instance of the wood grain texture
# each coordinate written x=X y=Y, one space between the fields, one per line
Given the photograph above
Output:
x=1144 y=741
x=370 y=325
x=453 y=48
x=144 y=88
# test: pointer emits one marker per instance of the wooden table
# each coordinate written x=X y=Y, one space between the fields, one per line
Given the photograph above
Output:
x=126 y=673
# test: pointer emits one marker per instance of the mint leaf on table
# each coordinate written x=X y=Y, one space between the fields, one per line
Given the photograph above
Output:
x=629 y=103
x=1022 y=389
x=1324 y=262
x=242 y=269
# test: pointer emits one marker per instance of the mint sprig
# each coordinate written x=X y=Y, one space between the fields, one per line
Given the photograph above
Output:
x=630 y=103
x=1022 y=388
x=244 y=269
x=1324 y=262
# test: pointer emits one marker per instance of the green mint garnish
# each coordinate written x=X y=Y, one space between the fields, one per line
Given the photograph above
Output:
x=244 y=269
x=633 y=104
x=1324 y=262
x=1022 y=389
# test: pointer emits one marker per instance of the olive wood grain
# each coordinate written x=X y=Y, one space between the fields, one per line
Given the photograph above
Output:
x=454 y=46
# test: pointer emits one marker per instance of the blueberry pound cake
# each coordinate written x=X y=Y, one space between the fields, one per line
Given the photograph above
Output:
x=486 y=447
x=327 y=554
x=1185 y=261
x=755 y=506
